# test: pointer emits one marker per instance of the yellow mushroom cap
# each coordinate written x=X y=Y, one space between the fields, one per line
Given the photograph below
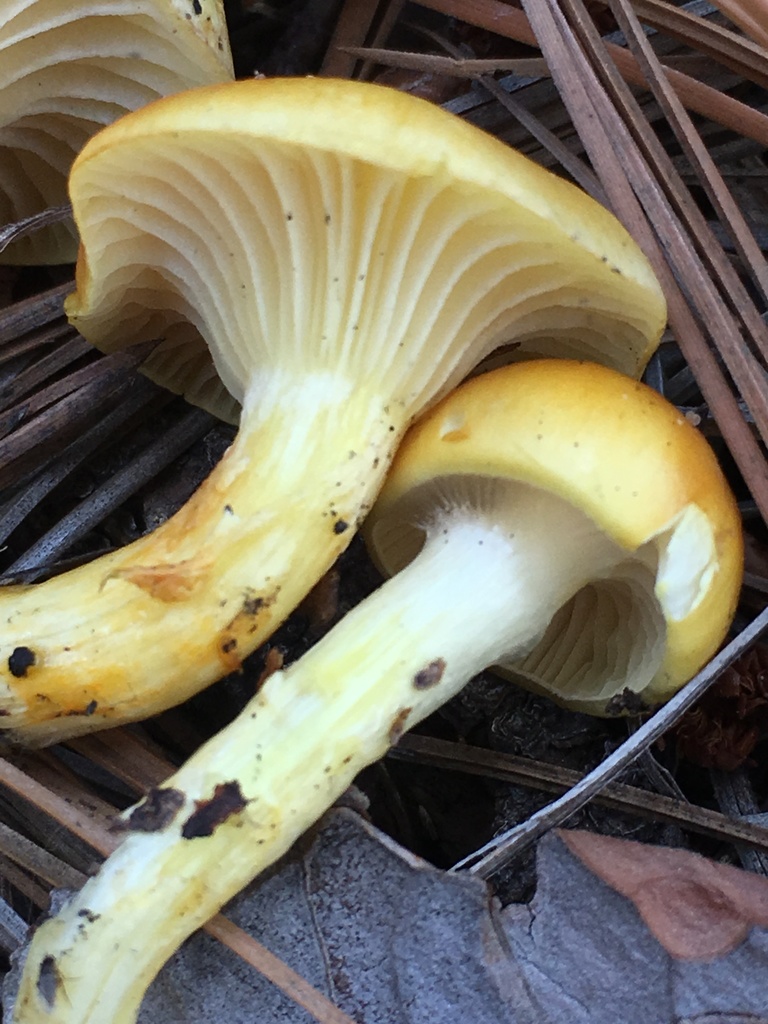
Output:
x=66 y=70
x=315 y=223
x=627 y=458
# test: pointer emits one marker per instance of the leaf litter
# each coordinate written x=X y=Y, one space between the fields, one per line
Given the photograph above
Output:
x=617 y=931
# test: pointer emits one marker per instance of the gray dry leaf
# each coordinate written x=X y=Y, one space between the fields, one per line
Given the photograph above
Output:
x=392 y=940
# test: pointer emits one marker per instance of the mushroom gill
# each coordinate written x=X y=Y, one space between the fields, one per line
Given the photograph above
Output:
x=66 y=70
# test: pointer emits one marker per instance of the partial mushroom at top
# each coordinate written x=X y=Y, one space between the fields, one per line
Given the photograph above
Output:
x=68 y=69
x=325 y=259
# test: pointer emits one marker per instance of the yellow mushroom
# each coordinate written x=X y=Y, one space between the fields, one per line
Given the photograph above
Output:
x=66 y=70
x=626 y=540
x=519 y=492
x=339 y=255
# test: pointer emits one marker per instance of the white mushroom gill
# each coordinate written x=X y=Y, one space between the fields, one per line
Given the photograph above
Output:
x=610 y=638
x=378 y=271
x=67 y=69
x=604 y=633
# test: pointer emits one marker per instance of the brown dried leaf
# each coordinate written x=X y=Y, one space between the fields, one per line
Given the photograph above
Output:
x=696 y=908
x=724 y=727
x=391 y=940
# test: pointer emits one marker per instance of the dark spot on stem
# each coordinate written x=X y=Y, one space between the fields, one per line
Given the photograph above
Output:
x=397 y=728
x=48 y=980
x=155 y=812
x=429 y=676
x=340 y=526
x=197 y=7
x=251 y=605
x=87 y=711
x=227 y=800
x=20 y=660
x=89 y=915
x=243 y=625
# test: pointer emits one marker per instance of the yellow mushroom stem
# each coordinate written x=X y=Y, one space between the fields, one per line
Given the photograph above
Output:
x=147 y=626
x=474 y=592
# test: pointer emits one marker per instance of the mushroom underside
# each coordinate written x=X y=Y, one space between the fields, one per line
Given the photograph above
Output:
x=607 y=643
x=68 y=70
x=419 y=278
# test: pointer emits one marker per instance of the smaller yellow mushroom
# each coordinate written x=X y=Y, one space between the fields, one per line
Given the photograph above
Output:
x=525 y=489
x=69 y=68
x=625 y=540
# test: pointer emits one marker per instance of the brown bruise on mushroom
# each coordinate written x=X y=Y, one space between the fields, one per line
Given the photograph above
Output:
x=626 y=703
x=168 y=582
x=88 y=917
x=209 y=814
x=157 y=811
x=430 y=675
x=398 y=726
x=241 y=628
x=20 y=660
x=49 y=981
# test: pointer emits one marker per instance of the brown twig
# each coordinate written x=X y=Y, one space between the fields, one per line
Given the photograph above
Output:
x=501 y=18
x=32 y=313
x=494 y=855
x=53 y=215
x=554 y=779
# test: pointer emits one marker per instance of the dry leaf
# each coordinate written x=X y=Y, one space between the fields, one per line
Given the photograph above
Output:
x=722 y=730
x=391 y=940
x=696 y=908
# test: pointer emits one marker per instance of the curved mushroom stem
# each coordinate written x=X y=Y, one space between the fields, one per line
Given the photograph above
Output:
x=138 y=630
x=475 y=591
